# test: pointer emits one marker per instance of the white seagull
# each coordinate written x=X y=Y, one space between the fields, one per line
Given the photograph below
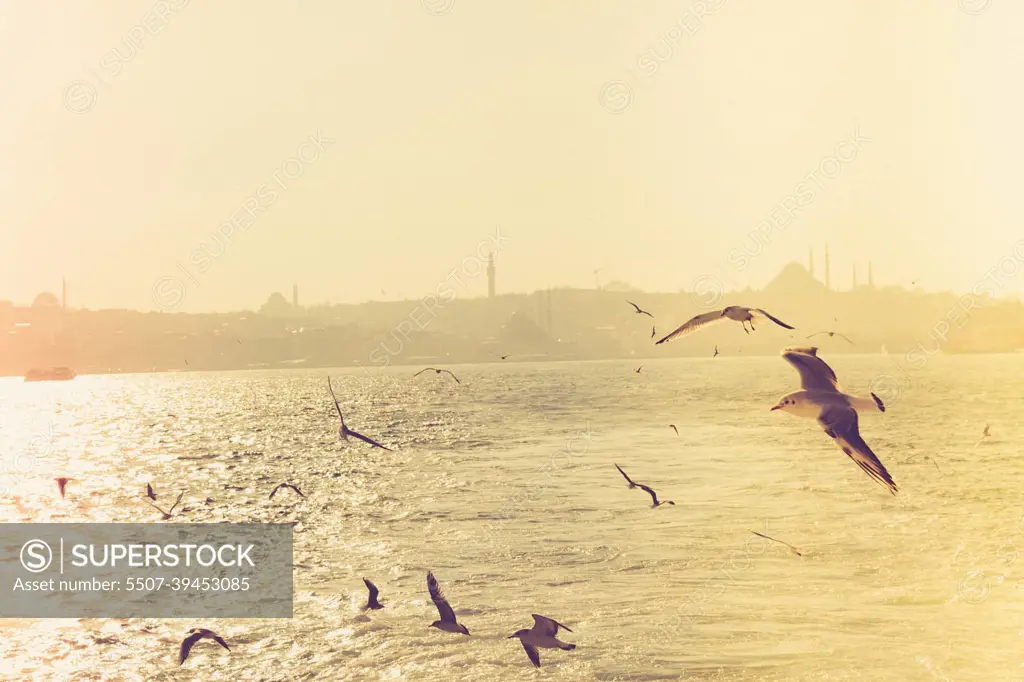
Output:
x=821 y=399
x=737 y=313
x=448 y=622
x=542 y=635
x=343 y=431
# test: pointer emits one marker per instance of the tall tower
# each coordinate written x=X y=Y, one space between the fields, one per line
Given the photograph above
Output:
x=810 y=262
x=63 y=295
x=295 y=294
x=854 y=275
x=828 y=271
x=490 y=275
x=871 y=277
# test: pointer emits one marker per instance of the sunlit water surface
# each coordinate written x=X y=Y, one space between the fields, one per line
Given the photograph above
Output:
x=504 y=486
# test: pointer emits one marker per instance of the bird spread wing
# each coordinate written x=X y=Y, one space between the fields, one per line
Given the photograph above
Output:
x=654 y=495
x=220 y=640
x=815 y=374
x=274 y=491
x=453 y=376
x=639 y=310
x=547 y=626
x=773 y=318
x=373 y=590
x=186 y=646
x=336 y=405
x=693 y=324
x=840 y=424
x=444 y=609
x=624 y=475
x=296 y=489
x=154 y=506
x=427 y=369
x=149 y=492
x=532 y=652
x=367 y=440
x=674 y=428
x=176 y=502
x=846 y=337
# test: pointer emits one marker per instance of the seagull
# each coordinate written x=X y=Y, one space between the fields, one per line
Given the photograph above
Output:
x=167 y=514
x=716 y=351
x=674 y=428
x=836 y=412
x=831 y=334
x=194 y=635
x=631 y=484
x=985 y=434
x=62 y=483
x=736 y=313
x=500 y=356
x=794 y=549
x=437 y=371
x=544 y=635
x=372 y=602
x=653 y=331
x=654 y=496
x=639 y=310
x=343 y=431
x=149 y=492
x=932 y=460
x=285 y=485
x=447 y=622
x=637 y=370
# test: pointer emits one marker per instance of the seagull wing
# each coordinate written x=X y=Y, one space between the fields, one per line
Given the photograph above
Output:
x=336 y=405
x=444 y=609
x=624 y=475
x=220 y=640
x=547 y=626
x=674 y=428
x=149 y=492
x=815 y=374
x=453 y=376
x=639 y=310
x=693 y=324
x=274 y=491
x=157 y=508
x=810 y=336
x=176 y=502
x=427 y=369
x=840 y=424
x=846 y=337
x=773 y=318
x=373 y=590
x=366 y=440
x=532 y=652
x=296 y=489
x=186 y=646
x=654 y=495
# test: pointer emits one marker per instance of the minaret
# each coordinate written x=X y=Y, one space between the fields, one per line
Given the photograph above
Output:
x=63 y=295
x=871 y=278
x=828 y=271
x=854 y=276
x=810 y=262
x=490 y=275
x=295 y=295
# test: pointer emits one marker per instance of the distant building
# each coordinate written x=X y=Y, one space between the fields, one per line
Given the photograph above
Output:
x=46 y=301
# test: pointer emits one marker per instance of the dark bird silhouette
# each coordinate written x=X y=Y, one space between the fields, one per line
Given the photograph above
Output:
x=654 y=496
x=639 y=310
x=831 y=334
x=674 y=428
x=448 y=623
x=343 y=431
x=737 y=313
x=543 y=635
x=194 y=635
x=716 y=352
x=637 y=370
x=149 y=492
x=167 y=514
x=628 y=479
x=766 y=537
x=653 y=331
x=437 y=371
x=62 y=484
x=285 y=485
x=372 y=602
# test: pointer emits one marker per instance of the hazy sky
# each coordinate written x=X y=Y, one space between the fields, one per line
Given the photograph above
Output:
x=448 y=124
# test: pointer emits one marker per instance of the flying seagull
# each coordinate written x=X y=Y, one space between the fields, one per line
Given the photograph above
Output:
x=194 y=635
x=543 y=635
x=630 y=480
x=716 y=351
x=836 y=412
x=637 y=370
x=167 y=514
x=907 y=461
x=674 y=428
x=343 y=431
x=285 y=485
x=831 y=334
x=639 y=310
x=447 y=622
x=437 y=371
x=791 y=547
x=62 y=483
x=372 y=602
x=653 y=331
x=985 y=434
x=500 y=356
x=737 y=313
x=654 y=496
x=149 y=492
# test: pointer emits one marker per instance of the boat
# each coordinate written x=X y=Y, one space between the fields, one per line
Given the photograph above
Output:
x=51 y=374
